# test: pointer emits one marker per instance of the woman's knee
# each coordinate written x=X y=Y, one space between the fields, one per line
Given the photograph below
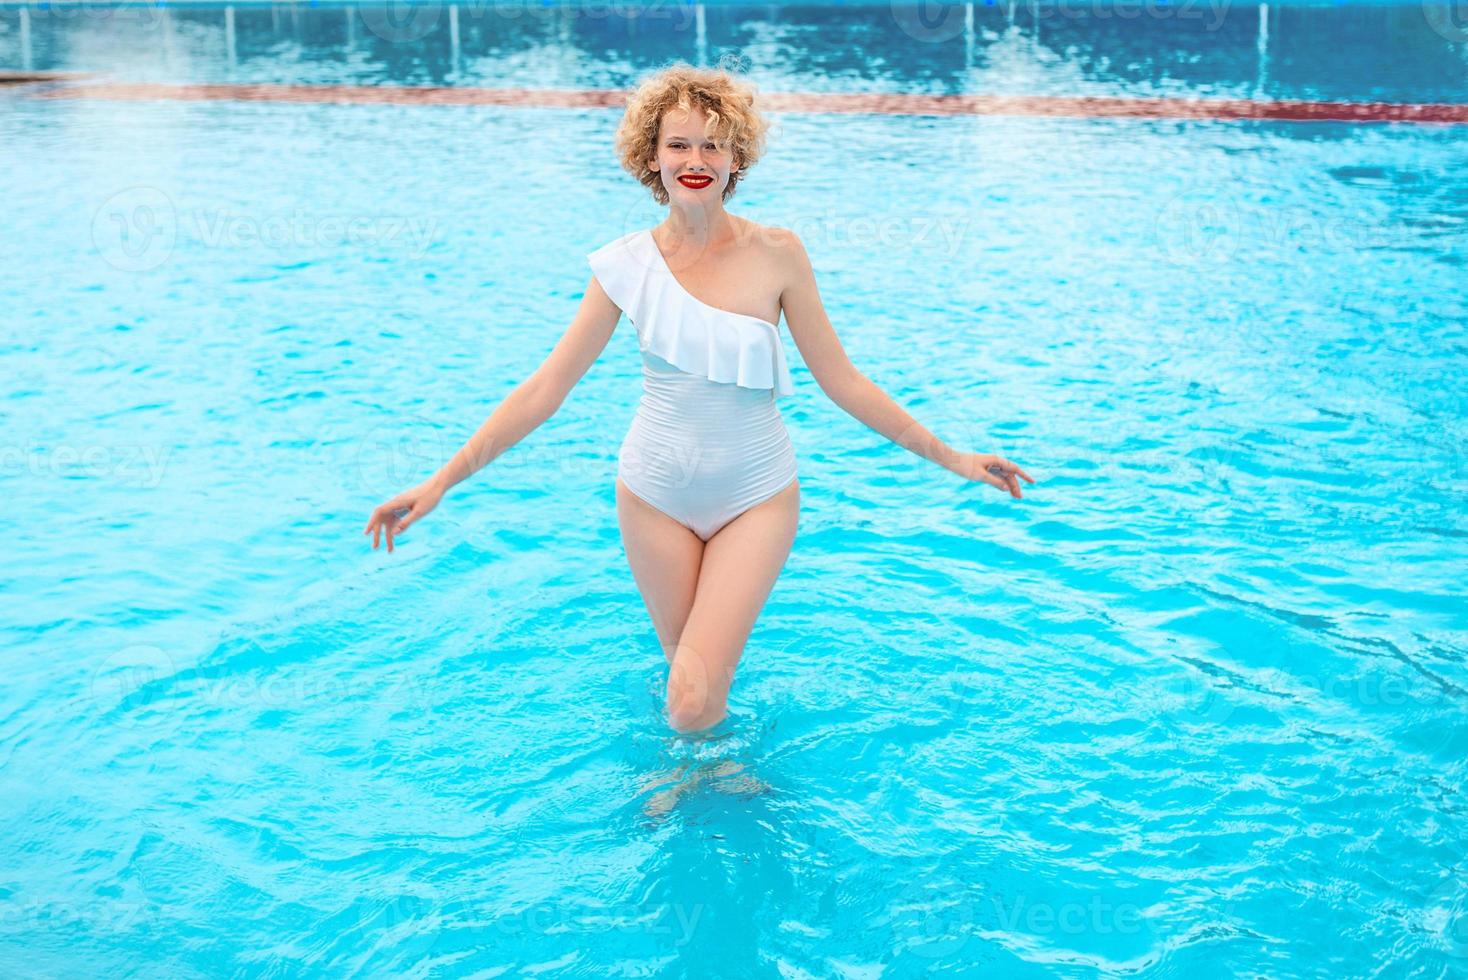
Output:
x=697 y=695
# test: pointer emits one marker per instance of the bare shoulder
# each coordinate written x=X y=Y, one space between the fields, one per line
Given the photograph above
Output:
x=781 y=241
x=780 y=248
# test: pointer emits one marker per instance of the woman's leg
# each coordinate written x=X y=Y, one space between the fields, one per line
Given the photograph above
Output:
x=665 y=557
x=740 y=565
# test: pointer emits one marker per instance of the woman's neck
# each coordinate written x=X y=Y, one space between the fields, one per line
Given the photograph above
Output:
x=697 y=228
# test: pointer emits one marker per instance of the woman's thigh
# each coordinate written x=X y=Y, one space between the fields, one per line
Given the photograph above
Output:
x=740 y=566
x=665 y=557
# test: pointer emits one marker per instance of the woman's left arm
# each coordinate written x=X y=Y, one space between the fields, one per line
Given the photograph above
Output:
x=857 y=394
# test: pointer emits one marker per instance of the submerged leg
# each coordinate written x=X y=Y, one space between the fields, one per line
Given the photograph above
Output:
x=740 y=565
x=665 y=557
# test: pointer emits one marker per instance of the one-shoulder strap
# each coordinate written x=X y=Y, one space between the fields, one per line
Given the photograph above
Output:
x=616 y=267
x=731 y=348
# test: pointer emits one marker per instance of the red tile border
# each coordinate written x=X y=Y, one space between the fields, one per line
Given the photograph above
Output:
x=886 y=104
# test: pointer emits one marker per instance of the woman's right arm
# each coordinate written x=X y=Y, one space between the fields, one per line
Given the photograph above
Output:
x=539 y=396
x=533 y=401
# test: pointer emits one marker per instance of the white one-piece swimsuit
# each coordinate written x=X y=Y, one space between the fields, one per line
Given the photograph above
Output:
x=707 y=442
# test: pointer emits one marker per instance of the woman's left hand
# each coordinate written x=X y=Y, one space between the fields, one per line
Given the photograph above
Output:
x=992 y=469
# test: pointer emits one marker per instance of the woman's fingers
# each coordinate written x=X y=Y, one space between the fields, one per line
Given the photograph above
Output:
x=1001 y=474
x=1010 y=467
x=1008 y=470
x=396 y=524
x=374 y=525
x=1005 y=482
x=385 y=519
x=413 y=515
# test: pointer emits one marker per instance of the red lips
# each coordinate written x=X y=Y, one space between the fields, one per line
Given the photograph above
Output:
x=696 y=183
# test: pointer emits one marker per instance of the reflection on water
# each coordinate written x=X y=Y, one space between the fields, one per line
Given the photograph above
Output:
x=1411 y=52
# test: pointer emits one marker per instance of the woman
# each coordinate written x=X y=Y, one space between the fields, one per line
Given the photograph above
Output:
x=707 y=493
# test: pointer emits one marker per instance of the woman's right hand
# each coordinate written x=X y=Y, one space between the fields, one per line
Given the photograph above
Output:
x=394 y=516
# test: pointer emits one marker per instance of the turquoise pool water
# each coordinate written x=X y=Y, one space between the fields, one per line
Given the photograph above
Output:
x=1194 y=707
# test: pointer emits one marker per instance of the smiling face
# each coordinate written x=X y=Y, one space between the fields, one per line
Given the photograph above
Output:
x=695 y=167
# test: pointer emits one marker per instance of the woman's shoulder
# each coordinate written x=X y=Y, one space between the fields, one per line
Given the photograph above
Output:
x=775 y=241
x=627 y=237
x=779 y=249
x=620 y=247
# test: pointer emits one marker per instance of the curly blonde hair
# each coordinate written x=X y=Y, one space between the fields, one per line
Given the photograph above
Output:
x=725 y=97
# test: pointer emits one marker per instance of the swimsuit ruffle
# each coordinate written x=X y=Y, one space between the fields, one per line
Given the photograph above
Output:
x=727 y=347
